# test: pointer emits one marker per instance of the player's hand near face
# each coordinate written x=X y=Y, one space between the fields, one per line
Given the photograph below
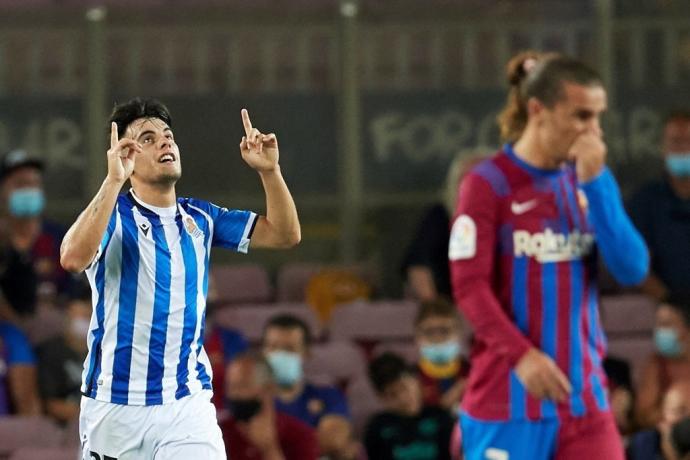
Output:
x=589 y=153
x=260 y=151
x=121 y=156
x=541 y=377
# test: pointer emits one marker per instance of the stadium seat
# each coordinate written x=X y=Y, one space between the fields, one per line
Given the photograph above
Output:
x=627 y=314
x=363 y=403
x=634 y=350
x=407 y=349
x=236 y=284
x=374 y=321
x=47 y=323
x=292 y=281
x=293 y=278
x=250 y=319
x=18 y=431
x=45 y=453
x=340 y=362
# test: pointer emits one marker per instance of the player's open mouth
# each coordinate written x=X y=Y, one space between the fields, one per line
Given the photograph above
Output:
x=167 y=158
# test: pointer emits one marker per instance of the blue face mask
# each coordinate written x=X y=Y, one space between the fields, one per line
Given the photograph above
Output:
x=286 y=366
x=678 y=164
x=667 y=343
x=441 y=353
x=26 y=202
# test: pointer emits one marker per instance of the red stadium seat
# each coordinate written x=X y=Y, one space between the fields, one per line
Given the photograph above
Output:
x=363 y=403
x=236 y=284
x=635 y=350
x=628 y=314
x=340 y=362
x=374 y=321
x=47 y=453
x=406 y=349
x=293 y=279
x=17 y=432
x=250 y=319
x=47 y=323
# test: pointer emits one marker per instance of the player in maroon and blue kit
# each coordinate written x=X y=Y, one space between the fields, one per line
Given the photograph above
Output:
x=523 y=250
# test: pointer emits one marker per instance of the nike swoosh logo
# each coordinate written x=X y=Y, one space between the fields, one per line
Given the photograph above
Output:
x=521 y=208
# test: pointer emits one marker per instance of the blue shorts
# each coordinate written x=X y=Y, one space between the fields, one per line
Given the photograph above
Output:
x=592 y=437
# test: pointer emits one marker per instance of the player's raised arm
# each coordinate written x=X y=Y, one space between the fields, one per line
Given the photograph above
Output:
x=280 y=227
x=81 y=242
x=622 y=247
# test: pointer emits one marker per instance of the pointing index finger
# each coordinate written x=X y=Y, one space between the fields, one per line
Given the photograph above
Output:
x=113 y=134
x=246 y=122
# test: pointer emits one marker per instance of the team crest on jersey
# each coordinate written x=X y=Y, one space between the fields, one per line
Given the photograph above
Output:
x=463 y=239
x=191 y=227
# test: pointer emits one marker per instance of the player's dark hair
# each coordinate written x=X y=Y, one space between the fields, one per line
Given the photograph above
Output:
x=125 y=113
x=386 y=369
x=439 y=307
x=539 y=75
x=287 y=321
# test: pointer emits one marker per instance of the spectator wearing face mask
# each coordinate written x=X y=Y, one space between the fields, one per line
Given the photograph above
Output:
x=661 y=212
x=32 y=239
x=670 y=363
x=61 y=361
x=255 y=429
x=442 y=369
x=285 y=344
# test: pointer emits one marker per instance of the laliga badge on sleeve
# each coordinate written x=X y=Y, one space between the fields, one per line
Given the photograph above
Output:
x=463 y=239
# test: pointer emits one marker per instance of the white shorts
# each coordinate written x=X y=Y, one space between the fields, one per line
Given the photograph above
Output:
x=182 y=430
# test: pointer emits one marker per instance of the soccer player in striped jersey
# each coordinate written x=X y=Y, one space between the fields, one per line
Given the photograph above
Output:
x=523 y=250
x=147 y=378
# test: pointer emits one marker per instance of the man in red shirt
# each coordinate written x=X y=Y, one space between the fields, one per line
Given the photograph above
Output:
x=256 y=430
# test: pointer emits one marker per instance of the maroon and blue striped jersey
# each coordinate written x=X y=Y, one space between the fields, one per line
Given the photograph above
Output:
x=523 y=254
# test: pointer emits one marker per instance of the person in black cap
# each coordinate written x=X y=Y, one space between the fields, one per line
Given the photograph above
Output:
x=32 y=240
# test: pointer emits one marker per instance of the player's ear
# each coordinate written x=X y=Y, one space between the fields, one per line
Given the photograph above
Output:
x=534 y=107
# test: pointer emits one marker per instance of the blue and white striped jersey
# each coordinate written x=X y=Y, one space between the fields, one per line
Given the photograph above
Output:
x=149 y=282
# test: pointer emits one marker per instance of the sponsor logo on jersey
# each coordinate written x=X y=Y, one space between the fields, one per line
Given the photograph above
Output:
x=548 y=246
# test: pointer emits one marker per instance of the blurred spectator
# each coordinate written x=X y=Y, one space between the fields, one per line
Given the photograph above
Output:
x=18 y=284
x=61 y=361
x=425 y=267
x=17 y=373
x=221 y=345
x=656 y=443
x=621 y=393
x=442 y=368
x=680 y=438
x=285 y=343
x=34 y=238
x=670 y=363
x=256 y=430
x=406 y=428
x=661 y=211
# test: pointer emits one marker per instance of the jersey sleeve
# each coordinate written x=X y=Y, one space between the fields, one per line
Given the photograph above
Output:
x=622 y=247
x=232 y=229
x=107 y=236
x=472 y=253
